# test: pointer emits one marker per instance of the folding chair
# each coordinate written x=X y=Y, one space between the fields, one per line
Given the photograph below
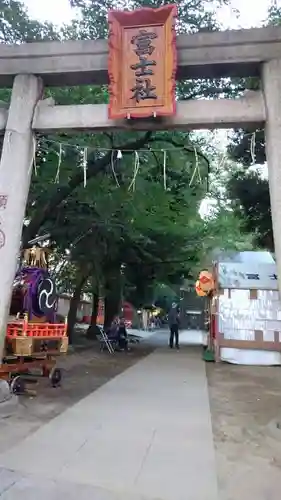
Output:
x=104 y=341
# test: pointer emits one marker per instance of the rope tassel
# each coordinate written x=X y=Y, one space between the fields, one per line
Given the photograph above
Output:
x=34 y=154
x=165 y=170
x=253 y=148
x=196 y=168
x=112 y=167
x=85 y=161
x=57 y=178
x=136 y=169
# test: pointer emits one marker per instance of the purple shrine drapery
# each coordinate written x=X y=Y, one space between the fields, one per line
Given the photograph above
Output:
x=32 y=277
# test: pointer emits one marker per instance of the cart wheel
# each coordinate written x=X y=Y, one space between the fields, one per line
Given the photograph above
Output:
x=55 y=377
x=17 y=385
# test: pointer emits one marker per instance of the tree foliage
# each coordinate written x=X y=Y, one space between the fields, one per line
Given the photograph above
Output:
x=17 y=27
x=249 y=194
x=240 y=146
x=117 y=226
x=247 y=189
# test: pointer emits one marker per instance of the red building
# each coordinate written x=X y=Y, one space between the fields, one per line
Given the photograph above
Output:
x=128 y=313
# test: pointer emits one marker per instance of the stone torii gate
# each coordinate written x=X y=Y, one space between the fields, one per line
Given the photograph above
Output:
x=30 y=67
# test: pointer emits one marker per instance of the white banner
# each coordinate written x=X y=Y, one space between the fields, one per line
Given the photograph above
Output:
x=247 y=276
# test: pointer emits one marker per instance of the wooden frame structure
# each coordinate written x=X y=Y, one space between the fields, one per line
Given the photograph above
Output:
x=217 y=339
x=29 y=67
x=257 y=344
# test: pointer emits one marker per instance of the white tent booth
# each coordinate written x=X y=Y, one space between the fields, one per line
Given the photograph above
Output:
x=247 y=310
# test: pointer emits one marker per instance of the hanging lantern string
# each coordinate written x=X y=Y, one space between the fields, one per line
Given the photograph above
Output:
x=62 y=144
x=93 y=148
x=119 y=152
x=116 y=154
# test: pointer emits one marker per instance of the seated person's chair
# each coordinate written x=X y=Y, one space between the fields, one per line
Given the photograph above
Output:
x=106 y=341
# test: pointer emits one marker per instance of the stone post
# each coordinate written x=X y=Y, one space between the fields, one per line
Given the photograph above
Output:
x=15 y=174
x=272 y=96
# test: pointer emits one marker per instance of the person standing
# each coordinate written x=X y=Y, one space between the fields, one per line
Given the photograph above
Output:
x=174 y=320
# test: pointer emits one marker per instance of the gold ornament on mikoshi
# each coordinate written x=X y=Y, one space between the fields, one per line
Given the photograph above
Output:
x=36 y=257
x=199 y=290
x=206 y=281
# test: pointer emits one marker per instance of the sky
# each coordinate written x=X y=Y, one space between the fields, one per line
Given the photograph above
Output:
x=252 y=12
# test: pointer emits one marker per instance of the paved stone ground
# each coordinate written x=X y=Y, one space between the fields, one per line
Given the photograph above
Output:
x=84 y=371
x=146 y=434
x=163 y=399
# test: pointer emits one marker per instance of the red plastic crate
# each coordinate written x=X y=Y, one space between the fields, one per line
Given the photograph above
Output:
x=37 y=330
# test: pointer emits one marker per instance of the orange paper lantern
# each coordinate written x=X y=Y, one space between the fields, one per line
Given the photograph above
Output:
x=199 y=290
x=206 y=281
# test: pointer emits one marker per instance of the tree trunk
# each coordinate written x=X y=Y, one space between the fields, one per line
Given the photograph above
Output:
x=93 y=329
x=111 y=309
x=112 y=299
x=74 y=303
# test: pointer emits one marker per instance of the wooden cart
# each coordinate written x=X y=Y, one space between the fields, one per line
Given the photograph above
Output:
x=30 y=347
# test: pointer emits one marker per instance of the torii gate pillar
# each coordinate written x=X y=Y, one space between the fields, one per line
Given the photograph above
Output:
x=15 y=175
x=272 y=96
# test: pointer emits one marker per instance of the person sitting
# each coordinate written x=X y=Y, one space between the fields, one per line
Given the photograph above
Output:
x=112 y=331
x=118 y=333
x=122 y=336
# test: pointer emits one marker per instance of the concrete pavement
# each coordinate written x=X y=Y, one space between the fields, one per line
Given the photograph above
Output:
x=145 y=435
x=160 y=337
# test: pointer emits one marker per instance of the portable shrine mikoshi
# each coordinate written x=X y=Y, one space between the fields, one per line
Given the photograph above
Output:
x=33 y=338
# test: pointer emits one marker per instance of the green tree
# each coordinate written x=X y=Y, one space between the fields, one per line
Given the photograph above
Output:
x=226 y=221
x=241 y=142
x=112 y=224
x=17 y=27
x=249 y=195
x=91 y=23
